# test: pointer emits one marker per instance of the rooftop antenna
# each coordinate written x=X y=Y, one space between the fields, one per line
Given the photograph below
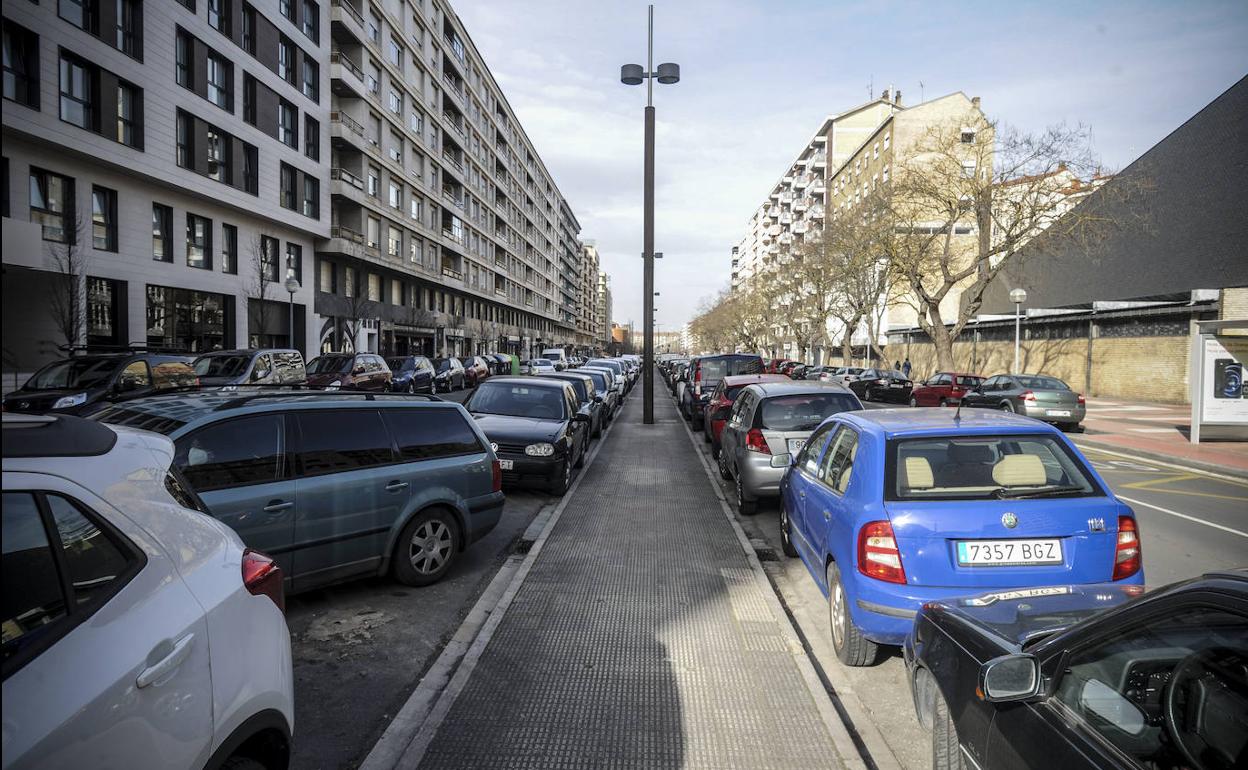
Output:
x=957 y=413
x=871 y=88
x=921 y=92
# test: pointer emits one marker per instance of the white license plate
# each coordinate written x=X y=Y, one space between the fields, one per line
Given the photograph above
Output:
x=796 y=444
x=1057 y=412
x=1008 y=553
x=896 y=385
x=506 y=465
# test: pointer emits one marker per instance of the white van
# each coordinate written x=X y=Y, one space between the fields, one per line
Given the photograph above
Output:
x=557 y=357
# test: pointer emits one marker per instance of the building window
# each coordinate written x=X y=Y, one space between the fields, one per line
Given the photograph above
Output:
x=968 y=169
x=102 y=311
x=162 y=233
x=286 y=122
x=414 y=248
x=287 y=9
x=373 y=237
x=21 y=65
x=416 y=123
x=183 y=49
x=268 y=259
x=127 y=131
x=294 y=261
x=182 y=319
x=311 y=137
x=80 y=13
x=251 y=169
x=311 y=196
x=374 y=181
x=51 y=203
x=394 y=243
x=394 y=52
x=286 y=60
x=311 y=21
x=396 y=147
x=219 y=168
x=396 y=195
x=414 y=206
x=220 y=82
x=311 y=80
x=198 y=242
x=128 y=17
x=288 y=183
x=325 y=277
x=104 y=219
x=348 y=282
x=373 y=78
x=229 y=249
x=77 y=92
x=374 y=27
x=374 y=287
x=219 y=16
x=249 y=29
x=968 y=136
x=395 y=102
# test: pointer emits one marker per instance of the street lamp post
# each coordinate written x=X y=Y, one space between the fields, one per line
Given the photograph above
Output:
x=292 y=286
x=1018 y=297
x=633 y=75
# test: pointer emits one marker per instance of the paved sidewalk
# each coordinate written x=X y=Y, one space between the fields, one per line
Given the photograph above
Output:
x=1160 y=432
x=641 y=637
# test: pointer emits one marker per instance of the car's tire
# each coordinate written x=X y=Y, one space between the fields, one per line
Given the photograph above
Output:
x=866 y=394
x=706 y=433
x=437 y=532
x=242 y=763
x=580 y=459
x=714 y=451
x=786 y=532
x=411 y=387
x=852 y=648
x=1076 y=428
x=946 y=748
x=944 y=402
x=563 y=479
x=696 y=422
x=1006 y=406
x=913 y=402
x=747 y=507
x=722 y=461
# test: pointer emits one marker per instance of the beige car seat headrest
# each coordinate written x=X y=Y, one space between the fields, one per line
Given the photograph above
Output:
x=916 y=473
x=1020 y=471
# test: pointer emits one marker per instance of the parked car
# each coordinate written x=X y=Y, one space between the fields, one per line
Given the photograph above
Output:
x=845 y=375
x=349 y=371
x=944 y=389
x=814 y=372
x=721 y=402
x=448 y=375
x=224 y=368
x=619 y=368
x=882 y=385
x=411 y=374
x=500 y=363
x=787 y=368
x=475 y=370
x=892 y=508
x=768 y=420
x=615 y=381
x=334 y=485
x=535 y=426
x=84 y=384
x=773 y=366
x=1035 y=395
x=604 y=389
x=1092 y=676
x=705 y=374
x=587 y=398
x=557 y=357
x=537 y=366
x=124 y=610
x=677 y=373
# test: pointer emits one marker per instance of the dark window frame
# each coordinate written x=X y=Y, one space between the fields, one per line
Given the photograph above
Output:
x=88 y=102
x=109 y=222
x=204 y=246
x=301 y=472
x=283 y=455
x=162 y=220
x=28 y=56
x=229 y=248
x=66 y=214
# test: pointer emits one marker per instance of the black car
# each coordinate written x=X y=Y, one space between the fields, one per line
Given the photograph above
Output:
x=535 y=426
x=1086 y=676
x=82 y=385
x=704 y=374
x=882 y=385
x=411 y=374
x=448 y=374
x=587 y=398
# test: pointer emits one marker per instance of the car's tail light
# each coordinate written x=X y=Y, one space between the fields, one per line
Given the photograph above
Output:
x=1028 y=396
x=1079 y=397
x=878 y=556
x=1127 y=556
x=262 y=577
x=755 y=442
x=496 y=475
x=697 y=381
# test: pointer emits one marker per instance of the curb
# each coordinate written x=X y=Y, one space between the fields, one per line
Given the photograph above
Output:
x=409 y=734
x=1181 y=463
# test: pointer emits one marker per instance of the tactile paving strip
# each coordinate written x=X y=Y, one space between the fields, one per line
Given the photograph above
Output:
x=640 y=638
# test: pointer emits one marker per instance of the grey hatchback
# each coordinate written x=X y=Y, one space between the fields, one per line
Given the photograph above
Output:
x=334 y=485
x=1035 y=395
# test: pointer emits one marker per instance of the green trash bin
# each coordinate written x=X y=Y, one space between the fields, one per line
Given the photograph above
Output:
x=515 y=364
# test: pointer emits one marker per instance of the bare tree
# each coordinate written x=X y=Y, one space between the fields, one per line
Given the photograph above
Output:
x=67 y=297
x=356 y=310
x=261 y=277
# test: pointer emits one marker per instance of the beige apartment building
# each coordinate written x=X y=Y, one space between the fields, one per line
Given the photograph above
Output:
x=589 y=322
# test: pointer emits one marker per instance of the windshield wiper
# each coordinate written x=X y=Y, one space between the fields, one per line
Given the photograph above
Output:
x=1022 y=494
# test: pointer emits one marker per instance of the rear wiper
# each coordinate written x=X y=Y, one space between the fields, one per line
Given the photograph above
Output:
x=1022 y=494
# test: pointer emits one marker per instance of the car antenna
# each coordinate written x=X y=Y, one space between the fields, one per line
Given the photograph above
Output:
x=957 y=413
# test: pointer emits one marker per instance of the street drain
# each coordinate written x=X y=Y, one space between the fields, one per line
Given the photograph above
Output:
x=766 y=554
x=522 y=547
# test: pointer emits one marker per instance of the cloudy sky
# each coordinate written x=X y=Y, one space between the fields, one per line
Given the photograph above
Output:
x=758 y=76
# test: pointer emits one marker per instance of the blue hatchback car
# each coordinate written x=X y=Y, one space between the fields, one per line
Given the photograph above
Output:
x=892 y=508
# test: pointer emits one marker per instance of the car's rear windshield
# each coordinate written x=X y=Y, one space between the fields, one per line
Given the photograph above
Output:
x=222 y=365
x=1042 y=383
x=401 y=364
x=330 y=364
x=553 y=357
x=73 y=373
x=719 y=368
x=442 y=364
x=600 y=379
x=984 y=467
x=970 y=382
x=803 y=411
x=515 y=400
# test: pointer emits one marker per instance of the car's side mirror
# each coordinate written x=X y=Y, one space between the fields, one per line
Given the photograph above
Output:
x=126 y=385
x=1009 y=678
x=580 y=417
x=781 y=461
x=597 y=399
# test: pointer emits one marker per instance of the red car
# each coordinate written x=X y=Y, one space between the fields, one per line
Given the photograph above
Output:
x=944 y=389
x=773 y=366
x=721 y=404
x=475 y=370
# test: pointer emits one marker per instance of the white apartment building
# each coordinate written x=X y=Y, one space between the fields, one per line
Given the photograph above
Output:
x=605 y=309
x=173 y=148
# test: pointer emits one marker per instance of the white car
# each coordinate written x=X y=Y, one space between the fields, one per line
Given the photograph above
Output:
x=163 y=641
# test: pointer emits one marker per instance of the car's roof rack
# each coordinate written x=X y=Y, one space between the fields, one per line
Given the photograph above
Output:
x=239 y=401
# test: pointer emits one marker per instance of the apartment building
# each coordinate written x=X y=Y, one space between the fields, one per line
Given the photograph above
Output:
x=447 y=232
x=589 y=320
x=163 y=159
x=605 y=309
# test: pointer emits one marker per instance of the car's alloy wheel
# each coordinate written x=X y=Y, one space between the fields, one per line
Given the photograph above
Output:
x=747 y=507
x=563 y=480
x=426 y=548
x=411 y=387
x=914 y=401
x=1006 y=406
x=944 y=403
x=852 y=648
x=786 y=532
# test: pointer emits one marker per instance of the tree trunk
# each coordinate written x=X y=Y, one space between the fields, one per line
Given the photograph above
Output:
x=941 y=339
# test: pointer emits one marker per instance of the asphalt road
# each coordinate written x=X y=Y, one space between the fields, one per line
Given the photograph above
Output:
x=360 y=648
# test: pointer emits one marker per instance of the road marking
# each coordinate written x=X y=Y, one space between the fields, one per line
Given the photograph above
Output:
x=1162 y=480
x=1183 y=516
x=1090 y=448
x=1152 y=430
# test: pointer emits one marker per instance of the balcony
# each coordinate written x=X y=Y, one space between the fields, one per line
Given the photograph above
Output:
x=345 y=17
x=455 y=123
x=451 y=272
x=816 y=212
x=800 y=227
x=820 y=160
x=346 y=77
x=786 y=218
x=800 y=204
x=774 y=230
x=346 y=177
x=801 y=182
x=345 y=121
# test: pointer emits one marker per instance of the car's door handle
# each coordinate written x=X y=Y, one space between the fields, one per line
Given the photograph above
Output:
x=276 y=506
x=802 y=494
x=157 y=671
x=826 y=514
x=396 y=486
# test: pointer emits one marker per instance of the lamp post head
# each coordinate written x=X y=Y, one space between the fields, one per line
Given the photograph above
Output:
x=632 y=74
x=1018 y=296
x=292 y=284
x=668 y=73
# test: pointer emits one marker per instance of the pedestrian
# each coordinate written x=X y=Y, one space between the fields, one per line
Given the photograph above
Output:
x=896 y=366
x=905 y=367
